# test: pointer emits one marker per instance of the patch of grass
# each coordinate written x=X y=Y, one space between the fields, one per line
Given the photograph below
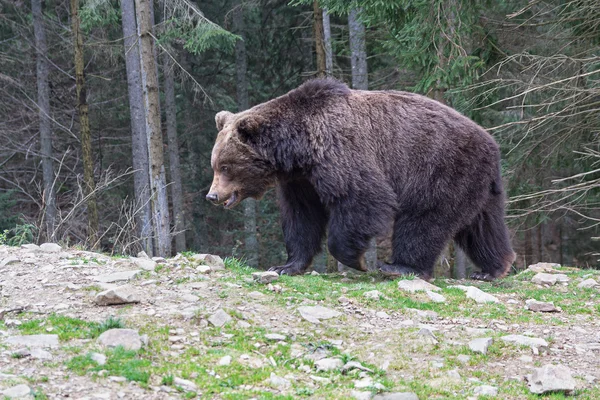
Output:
x=110 y=323
x=68 y=328
x=119 y=362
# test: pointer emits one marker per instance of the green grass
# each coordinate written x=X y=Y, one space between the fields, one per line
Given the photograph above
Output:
x=68 y=328
x=129 y=364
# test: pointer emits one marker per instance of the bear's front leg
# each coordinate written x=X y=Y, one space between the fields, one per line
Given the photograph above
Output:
x=303 y=219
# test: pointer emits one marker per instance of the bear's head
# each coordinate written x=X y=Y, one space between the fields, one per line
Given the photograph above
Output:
x=239 y=170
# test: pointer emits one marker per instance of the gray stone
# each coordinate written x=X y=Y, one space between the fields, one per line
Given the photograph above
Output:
x=532 y=342
x=328 y=364
x=214 y=262
x=540 y=306
x=256 y=295
x=397 y=396
x=551 y=378
x=427 y=335
x=358 y=395
x=265 y=277
x=15 y=392
x=543 y=267
x=275 y=337
x=588 y=284
x=144 y=263
x=185 y=384
x=415 y=285
x=47 y=341
x=480 y=345
x=480 y=296
x=463 y=358
x=203 y=269
x=435 y=297
x=350 y=365
x=30 y=246
x=486 y=390
x=190 y=298
x=278 y=382
x=219 y=318
x=50 y=247
x=373 y=294
x=226 y=360
x=98 y=358
x=315 y=314
x=117 y=276
x=120 y=295
x=128 y=338
x=40 y=354
x=8 y=261
x=546 y=279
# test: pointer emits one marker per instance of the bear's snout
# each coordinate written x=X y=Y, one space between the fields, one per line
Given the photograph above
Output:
x=212 y=197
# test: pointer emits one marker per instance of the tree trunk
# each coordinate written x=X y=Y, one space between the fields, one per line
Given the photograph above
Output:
x=358 y=51
x=319 y=39
x=173 y=146
x=84 y=125
x=139 y=145
x=241 y=69
x=460 y=263
x=43 y=100
x=158 y=199
x=358 y=59
x=327 y=43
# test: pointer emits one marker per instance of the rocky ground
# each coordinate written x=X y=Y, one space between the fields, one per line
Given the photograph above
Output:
x=82 y=325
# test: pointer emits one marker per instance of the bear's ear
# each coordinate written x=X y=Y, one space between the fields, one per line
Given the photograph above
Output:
x=222 y=118
x=249 y=127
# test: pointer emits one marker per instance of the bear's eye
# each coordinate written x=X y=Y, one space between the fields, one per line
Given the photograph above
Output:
x=224 y=168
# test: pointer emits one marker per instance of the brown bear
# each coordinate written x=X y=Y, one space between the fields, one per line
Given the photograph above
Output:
x=355 y=162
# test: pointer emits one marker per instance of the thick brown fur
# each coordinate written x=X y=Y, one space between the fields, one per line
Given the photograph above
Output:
x=355 y=162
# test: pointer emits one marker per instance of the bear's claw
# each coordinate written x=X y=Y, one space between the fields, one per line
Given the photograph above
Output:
x=394 y=271
x=289 y=269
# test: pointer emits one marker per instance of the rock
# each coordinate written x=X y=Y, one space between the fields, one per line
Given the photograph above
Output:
x=47 y=341
x=203 y=269
x=185 y=384
x=319 y=379
x=219 y=318
x=435 y=297
x=278 y=382
x=397 y=396
x=382 y=315
x=551 y=378
x=350 y=365
x=275 y=337
x=50 y=248
x=214 y=262
x=256 y=295
x=315 y=314
x=358 y=395
x=40 y=354
x=463 y=358
x=226 y=360
x=478 y=295
x=486 y=390
x=144 y=263
x=30 y=246
x=454 y=375
x=190 y=298
x=120 y=295
x=428 y=336
x=265 y=277
x=98 y=358
x=328 y=364
x=373 y=294
x=363 y=383
x=588 y=284
x=545 y=279
x=117 y=276
x=415 y=285
x=532 y=342
x=8 y=261
x=540 y=306
x=16 y=392
x=142 y=254
x=480 y=345
x=543 y=267
x=128 y=338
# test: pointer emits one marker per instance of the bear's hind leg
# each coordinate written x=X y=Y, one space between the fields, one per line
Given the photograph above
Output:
x=303 y=219
x=418 y=239
x=487 y=242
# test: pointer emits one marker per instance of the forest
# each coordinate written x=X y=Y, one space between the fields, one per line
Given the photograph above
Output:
x=107 y=112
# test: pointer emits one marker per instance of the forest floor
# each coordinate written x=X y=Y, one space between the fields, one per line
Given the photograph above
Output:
x=208 y=330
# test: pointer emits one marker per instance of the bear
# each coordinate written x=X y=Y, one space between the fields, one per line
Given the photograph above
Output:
x=359 y=163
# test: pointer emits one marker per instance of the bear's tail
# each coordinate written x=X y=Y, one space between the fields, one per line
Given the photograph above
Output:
x=486 y=240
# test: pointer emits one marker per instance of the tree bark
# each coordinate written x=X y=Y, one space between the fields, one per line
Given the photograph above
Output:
x=84 y=125
x=43 y=100
x=358 y=51
x=241 y=69
x=319 y=42
x=139 y=145
x=460 y=263
x=158 y=199
x=327 y=43
x=173 y=146
x=358 y=59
